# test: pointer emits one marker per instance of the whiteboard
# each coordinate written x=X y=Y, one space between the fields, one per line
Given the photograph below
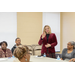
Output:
x=8 y=27
x=53 y=20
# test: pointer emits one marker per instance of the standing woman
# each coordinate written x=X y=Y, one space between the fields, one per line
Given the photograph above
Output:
x=48 y=41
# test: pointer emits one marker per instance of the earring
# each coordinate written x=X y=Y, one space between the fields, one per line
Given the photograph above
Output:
x=26 y=59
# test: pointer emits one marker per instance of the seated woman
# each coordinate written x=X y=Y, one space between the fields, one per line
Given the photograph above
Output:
x=4 y=51
x=22 y=53
x=69 y=52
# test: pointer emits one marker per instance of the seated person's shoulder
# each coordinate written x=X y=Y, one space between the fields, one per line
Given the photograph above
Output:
x=74 y=50
x=0 y=50
x=65 y=49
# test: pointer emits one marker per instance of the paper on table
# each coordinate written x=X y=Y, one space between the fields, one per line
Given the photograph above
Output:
x=39 y=57
x=3 y=59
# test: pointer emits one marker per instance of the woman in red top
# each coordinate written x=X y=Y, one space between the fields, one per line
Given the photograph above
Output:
x=4 y=51
x=48 y=41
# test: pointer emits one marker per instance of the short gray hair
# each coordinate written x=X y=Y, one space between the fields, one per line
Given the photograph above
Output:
x=73 y=44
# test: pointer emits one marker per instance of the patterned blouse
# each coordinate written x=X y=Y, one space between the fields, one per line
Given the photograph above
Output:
x=6 y=53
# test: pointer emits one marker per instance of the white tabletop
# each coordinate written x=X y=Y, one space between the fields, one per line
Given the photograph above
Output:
x=45 y=59
x=33 y=59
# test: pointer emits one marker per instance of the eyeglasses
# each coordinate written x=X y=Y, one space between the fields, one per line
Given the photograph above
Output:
x=69 y=44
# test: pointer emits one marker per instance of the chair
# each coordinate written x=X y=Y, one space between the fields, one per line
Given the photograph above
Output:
x=30 y=49
x=36 y=49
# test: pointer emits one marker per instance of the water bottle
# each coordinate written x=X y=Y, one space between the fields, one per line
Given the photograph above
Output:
x=44 y=55
x=13 y=56
x=58 y=58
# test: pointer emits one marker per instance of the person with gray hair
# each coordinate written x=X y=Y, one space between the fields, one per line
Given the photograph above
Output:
x=69 y=52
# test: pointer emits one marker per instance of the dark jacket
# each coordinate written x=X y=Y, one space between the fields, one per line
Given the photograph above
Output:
x=13 y=48
x=51 y=40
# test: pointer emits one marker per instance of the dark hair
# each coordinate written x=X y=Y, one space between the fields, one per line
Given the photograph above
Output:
x=3 y=42
x=17 y=38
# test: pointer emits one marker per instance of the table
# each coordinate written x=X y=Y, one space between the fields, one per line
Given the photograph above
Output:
x=45 y=59
x=34 y=59
x=7 y=59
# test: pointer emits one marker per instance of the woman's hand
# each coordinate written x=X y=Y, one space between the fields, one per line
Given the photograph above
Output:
x=61 y=59
x=73 y=59
x=48 y=45
x=43 y=35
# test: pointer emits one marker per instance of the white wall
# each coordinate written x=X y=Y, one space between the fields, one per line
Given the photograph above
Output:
x=53 y=20
x=8 y=27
